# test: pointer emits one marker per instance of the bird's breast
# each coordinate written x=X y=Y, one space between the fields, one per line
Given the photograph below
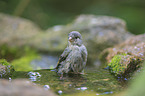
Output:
x=75 y=55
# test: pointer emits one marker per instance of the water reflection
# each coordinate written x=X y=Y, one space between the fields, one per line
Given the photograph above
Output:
x=34 y=76
x=82 y=88
x=99 y=81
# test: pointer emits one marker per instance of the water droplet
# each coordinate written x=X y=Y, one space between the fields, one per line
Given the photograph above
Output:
x=10 y=78
x=84 y=88
x=107 y=93
x=60 y=92
x=125 y=79
x=46 y=87
x=78 y=88
x=34 y=76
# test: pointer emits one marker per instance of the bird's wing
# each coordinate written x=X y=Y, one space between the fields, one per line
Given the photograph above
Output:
x=63 y=57
x=84 y=54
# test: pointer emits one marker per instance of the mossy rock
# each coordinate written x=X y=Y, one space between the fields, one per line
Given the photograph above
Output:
x=134 y=47
x=116 y=65
x=6 y=69
x=124 y=65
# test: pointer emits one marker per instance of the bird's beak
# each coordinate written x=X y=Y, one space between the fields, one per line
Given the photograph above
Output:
x=70 y=38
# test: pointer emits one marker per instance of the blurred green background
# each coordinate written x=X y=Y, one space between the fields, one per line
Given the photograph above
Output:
x=47 y=13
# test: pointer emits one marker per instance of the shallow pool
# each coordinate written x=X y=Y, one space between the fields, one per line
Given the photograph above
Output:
x=92 y=82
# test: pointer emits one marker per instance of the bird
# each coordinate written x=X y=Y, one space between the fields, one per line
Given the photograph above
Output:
x=74 y=57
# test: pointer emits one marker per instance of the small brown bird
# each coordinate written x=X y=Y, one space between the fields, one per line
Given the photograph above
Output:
x=74 y=57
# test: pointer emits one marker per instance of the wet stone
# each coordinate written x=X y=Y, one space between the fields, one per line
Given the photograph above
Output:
x=21 y=87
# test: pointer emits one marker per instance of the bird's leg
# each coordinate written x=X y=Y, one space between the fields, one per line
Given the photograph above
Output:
x=61 y=76
x=82 y=73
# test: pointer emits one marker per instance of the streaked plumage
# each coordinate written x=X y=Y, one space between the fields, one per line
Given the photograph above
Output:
x=74 y=57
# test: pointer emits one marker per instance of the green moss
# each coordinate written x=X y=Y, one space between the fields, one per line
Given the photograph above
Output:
x=23 y=63
x=116 y=66
x=4 y=62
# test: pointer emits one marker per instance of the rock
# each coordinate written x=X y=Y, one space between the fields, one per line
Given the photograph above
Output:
x=98 y=32
x=127 y=57
x=15 y=31
x=20 y=87
x=6 y=69
x=124 y=65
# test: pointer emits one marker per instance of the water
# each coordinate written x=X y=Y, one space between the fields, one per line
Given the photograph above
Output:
x=93 y=83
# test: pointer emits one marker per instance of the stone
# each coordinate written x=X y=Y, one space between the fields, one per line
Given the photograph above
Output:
x=131 y=52
x=16 y=31
x=6 y=69
x=21 y=87
x=98 y=32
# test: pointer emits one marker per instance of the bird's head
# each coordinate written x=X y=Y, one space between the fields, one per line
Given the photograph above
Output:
x=75 y=38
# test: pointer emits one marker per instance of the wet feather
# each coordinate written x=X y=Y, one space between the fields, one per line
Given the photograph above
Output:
x=74 y=57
